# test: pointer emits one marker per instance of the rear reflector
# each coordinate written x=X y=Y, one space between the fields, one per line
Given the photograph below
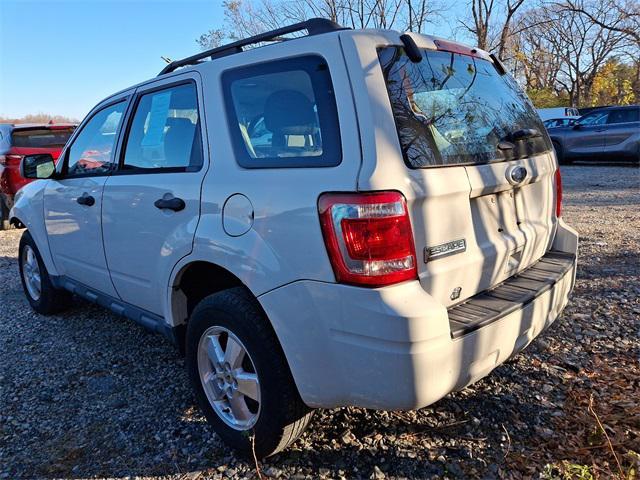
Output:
x=368 y=237
x=558 y=182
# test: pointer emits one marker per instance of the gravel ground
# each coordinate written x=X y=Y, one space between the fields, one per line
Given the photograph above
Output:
x=89 y=394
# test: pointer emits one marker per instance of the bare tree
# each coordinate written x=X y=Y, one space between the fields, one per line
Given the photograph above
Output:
x=245 y=18
x=619 y=16
x=563 y=50
x=491 y=23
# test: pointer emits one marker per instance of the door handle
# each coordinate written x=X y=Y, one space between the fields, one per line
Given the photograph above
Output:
x=86 y=199
x=176 y=204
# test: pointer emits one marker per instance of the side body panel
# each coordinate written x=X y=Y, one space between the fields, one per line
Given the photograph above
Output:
x=584 y=142
x=622 y=140
x=75 y=232
x=142 y=243
x=285 y=242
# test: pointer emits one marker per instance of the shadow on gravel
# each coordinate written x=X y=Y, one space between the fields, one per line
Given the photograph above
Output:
x=96 y=395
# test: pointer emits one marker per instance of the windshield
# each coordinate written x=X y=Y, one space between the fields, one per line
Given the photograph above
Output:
x=41 y=137
x=455 y=109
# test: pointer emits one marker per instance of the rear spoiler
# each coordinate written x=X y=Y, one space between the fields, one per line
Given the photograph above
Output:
x=415 y=54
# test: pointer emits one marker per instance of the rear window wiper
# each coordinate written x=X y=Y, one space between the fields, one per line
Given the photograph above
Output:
x=523 y=134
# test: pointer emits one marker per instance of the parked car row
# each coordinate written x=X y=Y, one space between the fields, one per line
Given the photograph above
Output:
x=16 y=141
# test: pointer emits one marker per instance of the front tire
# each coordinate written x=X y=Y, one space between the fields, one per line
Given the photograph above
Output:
x=240 y=375
x=43 y=297
x=560 y=154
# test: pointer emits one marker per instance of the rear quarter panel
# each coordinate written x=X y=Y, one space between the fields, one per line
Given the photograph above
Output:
x=285 y=242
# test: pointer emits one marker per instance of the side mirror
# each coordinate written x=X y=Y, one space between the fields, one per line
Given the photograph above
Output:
x=577 y=126
x=37 y=166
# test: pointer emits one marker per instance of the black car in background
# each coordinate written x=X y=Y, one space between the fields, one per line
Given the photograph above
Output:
x=611 y=133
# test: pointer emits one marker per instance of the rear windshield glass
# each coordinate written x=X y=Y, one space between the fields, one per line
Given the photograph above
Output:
x=283 y=114
x=453 y=109
x=41 y=138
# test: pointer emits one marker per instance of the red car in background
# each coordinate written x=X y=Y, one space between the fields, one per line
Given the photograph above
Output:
x=17 y=141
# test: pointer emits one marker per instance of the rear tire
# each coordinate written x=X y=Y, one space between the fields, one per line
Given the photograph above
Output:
x=4 y=215
x=43 y=297
x=232 y=320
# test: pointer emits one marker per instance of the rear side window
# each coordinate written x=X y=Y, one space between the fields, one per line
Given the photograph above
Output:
x=283 y=114
x=164 y=134
x=41 y=138
x=626 y=115
x=453 y=109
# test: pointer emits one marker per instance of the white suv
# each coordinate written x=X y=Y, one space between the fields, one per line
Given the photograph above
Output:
x=344 y=218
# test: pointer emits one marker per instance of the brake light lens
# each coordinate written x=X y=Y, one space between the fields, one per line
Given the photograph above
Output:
x=10 y=159
x=453 y=47
x=368 y=237
x=558 y=182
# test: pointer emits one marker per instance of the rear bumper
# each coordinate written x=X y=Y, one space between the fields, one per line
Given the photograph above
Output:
x=392 y=348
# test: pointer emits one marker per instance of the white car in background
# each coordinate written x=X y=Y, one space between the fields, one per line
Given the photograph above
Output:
x=558 y=112
x=350 y=217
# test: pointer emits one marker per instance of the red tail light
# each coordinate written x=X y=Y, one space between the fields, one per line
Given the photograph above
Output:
x=454 y=47
x=368 y=237
x=10 y=159
x=558 y=182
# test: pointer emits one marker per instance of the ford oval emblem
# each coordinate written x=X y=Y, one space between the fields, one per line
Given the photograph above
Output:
x=516 y=174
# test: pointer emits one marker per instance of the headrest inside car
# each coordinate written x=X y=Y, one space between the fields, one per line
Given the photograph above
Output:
x=289 y=112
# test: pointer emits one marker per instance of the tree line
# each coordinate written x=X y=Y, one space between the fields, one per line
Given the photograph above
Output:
x=38 y=118
x=564 y=52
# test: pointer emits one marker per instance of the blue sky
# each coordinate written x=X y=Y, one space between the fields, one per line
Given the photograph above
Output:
x=63 y=56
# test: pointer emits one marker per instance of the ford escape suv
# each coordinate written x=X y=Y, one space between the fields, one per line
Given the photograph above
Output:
x=349 y=217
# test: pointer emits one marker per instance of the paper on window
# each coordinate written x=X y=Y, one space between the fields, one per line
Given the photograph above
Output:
x=157 y=119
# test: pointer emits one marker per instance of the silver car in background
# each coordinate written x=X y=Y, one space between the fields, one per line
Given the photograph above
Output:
x=611 y=133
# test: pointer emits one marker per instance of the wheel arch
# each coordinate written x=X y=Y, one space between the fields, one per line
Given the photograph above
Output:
x=28 y=212
x=194 y=280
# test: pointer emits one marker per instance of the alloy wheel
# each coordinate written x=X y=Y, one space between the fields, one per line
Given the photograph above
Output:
x=31 y=272
x=229 y=378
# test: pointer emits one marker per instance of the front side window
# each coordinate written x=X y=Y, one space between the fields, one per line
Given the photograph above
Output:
x=92 y=150
x=595 y=118
x=164 y=134
x=453 y=109
x=283 y=114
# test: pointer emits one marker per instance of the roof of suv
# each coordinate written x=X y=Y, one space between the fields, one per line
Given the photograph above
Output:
x=270 y=39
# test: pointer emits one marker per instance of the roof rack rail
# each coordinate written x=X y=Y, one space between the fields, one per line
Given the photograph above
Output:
x=313 y=26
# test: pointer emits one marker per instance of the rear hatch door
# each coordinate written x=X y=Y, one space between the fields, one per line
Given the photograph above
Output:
x=480 y=168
